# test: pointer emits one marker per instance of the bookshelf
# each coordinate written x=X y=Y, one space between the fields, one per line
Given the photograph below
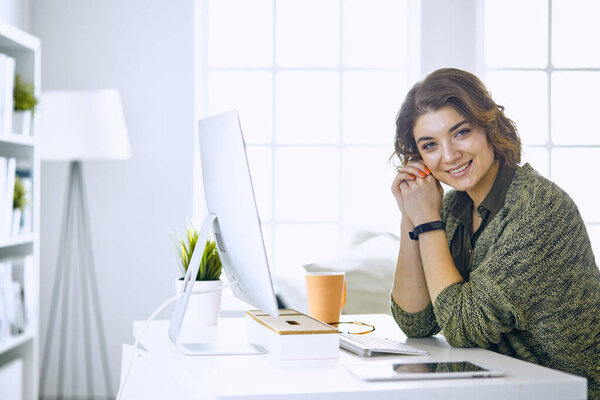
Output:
x=22 y=345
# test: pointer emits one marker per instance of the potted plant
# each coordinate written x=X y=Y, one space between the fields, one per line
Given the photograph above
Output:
x=24 y=105
x=203 y=308
x=19 y=203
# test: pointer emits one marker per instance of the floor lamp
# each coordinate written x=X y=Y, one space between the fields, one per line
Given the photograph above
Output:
x=78 y=126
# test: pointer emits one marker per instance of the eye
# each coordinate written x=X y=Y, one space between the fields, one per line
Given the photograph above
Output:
x=428 y=146
x=462 y=132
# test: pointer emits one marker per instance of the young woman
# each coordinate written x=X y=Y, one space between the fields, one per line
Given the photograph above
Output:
x=502 y=262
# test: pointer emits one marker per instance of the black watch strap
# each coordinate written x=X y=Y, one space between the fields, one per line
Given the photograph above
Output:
x=426 y=227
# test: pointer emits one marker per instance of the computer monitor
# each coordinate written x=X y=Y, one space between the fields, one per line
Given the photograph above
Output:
x=233 y=217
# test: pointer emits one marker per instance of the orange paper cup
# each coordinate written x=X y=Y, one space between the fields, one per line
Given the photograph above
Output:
x=326 y=293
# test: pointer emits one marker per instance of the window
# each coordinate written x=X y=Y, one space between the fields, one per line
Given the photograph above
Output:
x=541 y=63
x=317 y=84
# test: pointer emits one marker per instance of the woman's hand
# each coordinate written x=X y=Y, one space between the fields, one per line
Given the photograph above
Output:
x=418 y=193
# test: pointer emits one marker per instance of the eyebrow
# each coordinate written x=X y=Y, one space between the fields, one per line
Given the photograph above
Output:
x=453 y=128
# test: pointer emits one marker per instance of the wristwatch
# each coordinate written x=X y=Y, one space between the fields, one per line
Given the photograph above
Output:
x=426 y=227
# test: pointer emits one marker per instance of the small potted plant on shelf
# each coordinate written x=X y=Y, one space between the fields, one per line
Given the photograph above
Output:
x=19 y=203
x=203 y=308
x=24 y=106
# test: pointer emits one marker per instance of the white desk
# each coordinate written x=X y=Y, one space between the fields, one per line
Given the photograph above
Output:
x=162 y=372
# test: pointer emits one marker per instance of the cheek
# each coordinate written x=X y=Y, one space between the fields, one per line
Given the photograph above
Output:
x=431 y=161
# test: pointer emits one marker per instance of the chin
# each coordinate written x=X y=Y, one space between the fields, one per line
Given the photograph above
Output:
x=460 y=186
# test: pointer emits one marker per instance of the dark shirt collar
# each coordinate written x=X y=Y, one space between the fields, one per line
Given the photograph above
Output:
x=494 y=200
x=462 y=204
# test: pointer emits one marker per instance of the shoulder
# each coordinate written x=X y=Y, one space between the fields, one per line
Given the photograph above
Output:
x=530 y=191
x=533 y=200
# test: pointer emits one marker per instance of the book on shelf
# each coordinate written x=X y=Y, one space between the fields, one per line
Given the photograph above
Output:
x=3 y=183
x=7 y=84
x=16 y=296
x=8 y=170
x=14 y=221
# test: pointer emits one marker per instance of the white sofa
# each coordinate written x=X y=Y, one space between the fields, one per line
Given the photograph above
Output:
x=369 y=264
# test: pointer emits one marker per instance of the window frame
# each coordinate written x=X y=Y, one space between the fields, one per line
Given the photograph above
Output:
x=549 y=70
x=203 y=70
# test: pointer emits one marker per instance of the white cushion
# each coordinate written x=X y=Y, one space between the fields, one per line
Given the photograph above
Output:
x=369 y=265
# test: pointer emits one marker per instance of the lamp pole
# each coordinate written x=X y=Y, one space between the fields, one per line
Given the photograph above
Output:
x=75 y=240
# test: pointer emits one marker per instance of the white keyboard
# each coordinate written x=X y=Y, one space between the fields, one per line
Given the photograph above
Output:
x=365 y=346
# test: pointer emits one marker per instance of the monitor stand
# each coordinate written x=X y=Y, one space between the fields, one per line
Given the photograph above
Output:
x=214 y=347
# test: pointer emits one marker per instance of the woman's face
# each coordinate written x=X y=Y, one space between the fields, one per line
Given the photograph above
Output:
x=456 y=151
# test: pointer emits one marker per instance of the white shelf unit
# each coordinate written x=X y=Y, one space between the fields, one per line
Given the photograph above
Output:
x=25 y=49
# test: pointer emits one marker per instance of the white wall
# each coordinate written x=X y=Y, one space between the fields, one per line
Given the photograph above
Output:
x=144 y=48
x=449 y=34
x=16 y=13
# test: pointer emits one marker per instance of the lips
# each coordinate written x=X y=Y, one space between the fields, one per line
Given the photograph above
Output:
x=460 y=169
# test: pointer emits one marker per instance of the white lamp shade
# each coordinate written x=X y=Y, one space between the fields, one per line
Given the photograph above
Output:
x=83 y=125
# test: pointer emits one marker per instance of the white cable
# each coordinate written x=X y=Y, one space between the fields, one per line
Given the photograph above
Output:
x=154 y=314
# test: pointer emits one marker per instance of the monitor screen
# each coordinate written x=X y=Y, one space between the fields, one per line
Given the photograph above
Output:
x=230 y=196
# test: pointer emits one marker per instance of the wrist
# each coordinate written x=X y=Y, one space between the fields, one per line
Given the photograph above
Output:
x=426 y=219
x=406 y=224
x=426 y=227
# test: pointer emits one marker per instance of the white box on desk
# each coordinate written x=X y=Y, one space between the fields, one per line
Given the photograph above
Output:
x=292 y=336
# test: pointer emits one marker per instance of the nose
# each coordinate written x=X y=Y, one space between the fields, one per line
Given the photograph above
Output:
x=451 y=154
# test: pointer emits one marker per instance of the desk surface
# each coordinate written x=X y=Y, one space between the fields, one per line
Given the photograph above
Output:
x=163 y=372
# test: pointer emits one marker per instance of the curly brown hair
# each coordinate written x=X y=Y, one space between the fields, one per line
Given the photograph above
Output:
x=469 y=97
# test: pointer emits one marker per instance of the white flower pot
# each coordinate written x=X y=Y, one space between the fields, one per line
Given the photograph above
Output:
x=203 y=308
x=21 y=122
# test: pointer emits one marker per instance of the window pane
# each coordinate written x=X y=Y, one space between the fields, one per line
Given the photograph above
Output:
x=252 y=94
x=575 y=105
x=299 y=244
x=375 y=33
x=367 y=178
x=594 y=233
x=227 y=46
x=318 y=46
x=524 y=96
x=575 y=33
x=516 y=33
x=306 y=183
x=261 y=171
x=307 y=108
x=371 y=102
x=538 y=158
x=573 y=170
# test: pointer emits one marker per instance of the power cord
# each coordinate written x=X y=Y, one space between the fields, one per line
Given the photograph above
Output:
x=154 y=314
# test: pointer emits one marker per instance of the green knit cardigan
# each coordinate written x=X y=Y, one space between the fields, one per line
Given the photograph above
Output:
x=534 y=287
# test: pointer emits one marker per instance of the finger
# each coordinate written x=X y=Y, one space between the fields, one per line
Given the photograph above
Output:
x=396 y=184
x=416 y=168
x=420 y=164
x=411 y=172
x=399 y=180
x=404 y=175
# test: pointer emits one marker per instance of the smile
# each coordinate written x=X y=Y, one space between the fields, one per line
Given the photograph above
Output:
x=460 y=169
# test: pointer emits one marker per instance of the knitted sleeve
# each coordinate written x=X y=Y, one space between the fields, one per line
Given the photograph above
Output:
x=533 y=244
x=416 y=325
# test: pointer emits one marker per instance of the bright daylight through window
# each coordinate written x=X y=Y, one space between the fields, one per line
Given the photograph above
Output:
x=545 y=70
x=317 y=84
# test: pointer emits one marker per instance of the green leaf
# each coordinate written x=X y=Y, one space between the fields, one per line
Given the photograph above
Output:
x=210 y=267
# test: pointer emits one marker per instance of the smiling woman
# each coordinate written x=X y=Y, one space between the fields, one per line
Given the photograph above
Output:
x=503 y=261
